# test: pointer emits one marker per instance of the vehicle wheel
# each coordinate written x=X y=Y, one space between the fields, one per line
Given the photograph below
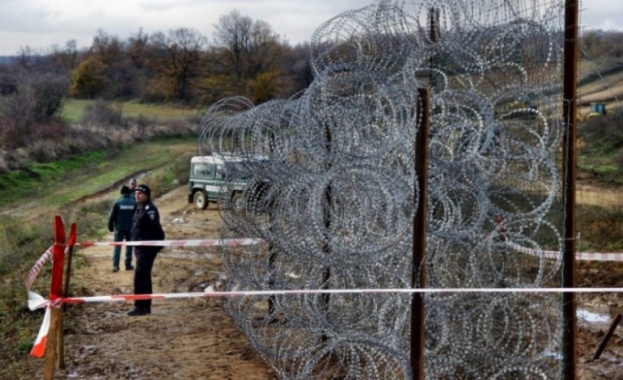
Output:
x=237 y=201
x=201 y=203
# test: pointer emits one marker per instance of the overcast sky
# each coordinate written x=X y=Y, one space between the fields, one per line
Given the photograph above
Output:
x=41 y=24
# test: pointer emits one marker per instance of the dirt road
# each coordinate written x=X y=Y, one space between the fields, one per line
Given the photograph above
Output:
x=181 y=339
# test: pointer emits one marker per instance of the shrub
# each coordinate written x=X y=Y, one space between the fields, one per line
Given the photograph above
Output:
x=4 y=165
x=38 y=99
x=54 y=130
x=102 y=113
x=43 y=151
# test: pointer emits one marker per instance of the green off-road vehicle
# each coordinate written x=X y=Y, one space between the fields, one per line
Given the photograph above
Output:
x=209 y=182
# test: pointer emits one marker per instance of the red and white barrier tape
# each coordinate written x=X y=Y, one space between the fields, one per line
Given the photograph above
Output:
x=580 y=256
x=38 y=347
x=241 y=293
x=34 y=271
x=35 y=301
x=177 y=243
x=599 y=256
x=584 y=256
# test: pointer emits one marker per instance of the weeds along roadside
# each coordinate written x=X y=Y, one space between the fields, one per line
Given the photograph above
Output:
x=24 y=238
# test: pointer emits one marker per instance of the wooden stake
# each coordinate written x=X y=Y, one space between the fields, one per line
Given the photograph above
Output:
x=61 y=328
x=56 y=292
x=50 y=351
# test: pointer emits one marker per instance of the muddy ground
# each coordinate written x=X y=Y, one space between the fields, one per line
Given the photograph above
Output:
x=195 y=338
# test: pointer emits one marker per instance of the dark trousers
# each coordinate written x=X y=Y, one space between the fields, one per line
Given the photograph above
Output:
x=116 y=253
x=145 y=257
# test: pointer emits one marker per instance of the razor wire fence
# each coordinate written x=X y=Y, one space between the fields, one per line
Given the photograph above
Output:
x=329 y=185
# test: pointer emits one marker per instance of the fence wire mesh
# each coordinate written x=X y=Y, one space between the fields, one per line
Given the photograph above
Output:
x=327 y=180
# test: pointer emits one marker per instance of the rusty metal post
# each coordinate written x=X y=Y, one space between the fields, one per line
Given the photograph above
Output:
x=570 y=72
x=418 y=273
x=326 y=248
x=272 y=255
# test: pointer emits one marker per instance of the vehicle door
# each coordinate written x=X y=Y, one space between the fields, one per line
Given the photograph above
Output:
x=204 y=177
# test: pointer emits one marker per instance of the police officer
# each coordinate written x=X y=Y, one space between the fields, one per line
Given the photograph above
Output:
x=145 y=226
x=120 y=221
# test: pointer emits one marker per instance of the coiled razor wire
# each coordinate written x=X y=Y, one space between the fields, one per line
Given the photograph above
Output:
x=327 y=180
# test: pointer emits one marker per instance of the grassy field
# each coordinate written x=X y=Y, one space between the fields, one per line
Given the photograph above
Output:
x=60 y=182
x=73 y=110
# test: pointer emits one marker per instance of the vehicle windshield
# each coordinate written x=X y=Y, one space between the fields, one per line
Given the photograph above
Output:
x=243 y=169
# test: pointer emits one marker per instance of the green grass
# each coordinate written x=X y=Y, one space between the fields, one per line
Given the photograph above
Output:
x=599 y=158
x=600 y=169
x=61 y=182
x=160 y=112
x=73 y=110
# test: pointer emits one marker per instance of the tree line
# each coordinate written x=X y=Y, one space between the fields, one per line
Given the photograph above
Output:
x=182 y=66
x=245 y=57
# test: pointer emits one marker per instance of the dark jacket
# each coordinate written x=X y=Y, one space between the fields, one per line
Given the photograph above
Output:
x=120 y=217
x=146 y=223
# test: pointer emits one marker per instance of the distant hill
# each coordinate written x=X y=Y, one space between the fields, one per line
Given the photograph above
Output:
x=4 y=59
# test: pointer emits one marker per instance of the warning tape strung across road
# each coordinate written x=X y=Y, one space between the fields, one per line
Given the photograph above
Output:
x=583 y=256
x=242 y=293
x=35 y=301
x=40 y=342
x=177 y=243
x=580 y=256
x=47 y=255
x=597 y=256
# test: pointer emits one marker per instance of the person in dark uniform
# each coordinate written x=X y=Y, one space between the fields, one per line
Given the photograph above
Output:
x=145 y=226
x=120 y=221
x=132 y=185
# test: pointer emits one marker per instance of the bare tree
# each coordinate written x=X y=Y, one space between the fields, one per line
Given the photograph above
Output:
x=108 y=55
x=233 y=34
x=138 y=49
x=64 y=59
x=177 y=60
x=264 y=51
x=296 y=65
x=250 y=54
x=27 y=58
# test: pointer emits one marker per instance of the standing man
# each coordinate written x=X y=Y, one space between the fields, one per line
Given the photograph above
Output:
x=132 y=185
x=120 y=221
x=145 y=226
